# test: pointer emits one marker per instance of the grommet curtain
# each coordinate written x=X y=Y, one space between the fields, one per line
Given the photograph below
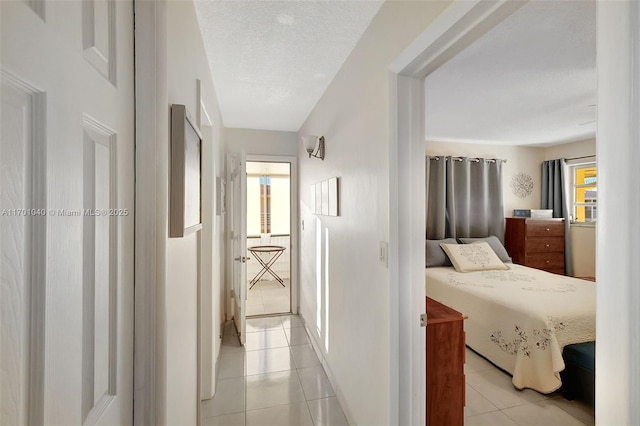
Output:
x=556 y=198
x=464 y=197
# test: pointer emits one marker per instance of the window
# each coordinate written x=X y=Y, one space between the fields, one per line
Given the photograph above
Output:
x=585 y=193
x=268 y=202
x=265 y=204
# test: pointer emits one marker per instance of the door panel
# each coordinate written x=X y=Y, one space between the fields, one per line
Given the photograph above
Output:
x=67 y=155
x=100 y=304
x=98 y=36
x=22 y=245
x=238 y=169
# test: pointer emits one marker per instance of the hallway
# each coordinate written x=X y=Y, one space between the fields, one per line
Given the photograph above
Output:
x=275 y=379
x=268 y=297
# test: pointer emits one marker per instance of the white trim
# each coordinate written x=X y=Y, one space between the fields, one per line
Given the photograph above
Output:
x=407 y=170
x=150 y=221
x=228 y=237
x=204 y=116
x=572 y=186
x=199 y=236
x=295 y=234
x=459 y=26
x=618 y=236
x=327 y=369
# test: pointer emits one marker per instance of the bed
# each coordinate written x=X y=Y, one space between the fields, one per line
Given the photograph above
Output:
x=519 y=318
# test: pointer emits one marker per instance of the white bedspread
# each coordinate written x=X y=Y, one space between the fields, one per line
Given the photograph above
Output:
x=520 y=319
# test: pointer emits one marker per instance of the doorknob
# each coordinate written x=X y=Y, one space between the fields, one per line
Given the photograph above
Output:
x=242 y=259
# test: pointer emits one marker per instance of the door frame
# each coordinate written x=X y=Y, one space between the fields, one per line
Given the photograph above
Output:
x=240 y=255
x=459 y=26
x=151 y=133
x=462 y=23
x=293 y=226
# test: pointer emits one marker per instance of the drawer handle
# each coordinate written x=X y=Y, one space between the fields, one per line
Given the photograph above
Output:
x=546 y=245
x=547 y=261
x=547 y=229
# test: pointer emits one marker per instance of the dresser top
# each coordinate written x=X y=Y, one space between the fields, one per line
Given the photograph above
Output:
x=437 y=313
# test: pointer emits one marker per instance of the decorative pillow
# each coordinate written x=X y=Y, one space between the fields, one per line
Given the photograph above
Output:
x=435 y=255
x=473 y=257
x=495 y=244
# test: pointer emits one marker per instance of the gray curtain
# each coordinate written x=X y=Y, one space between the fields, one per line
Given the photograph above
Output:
x=464 y=197
x=555 y=197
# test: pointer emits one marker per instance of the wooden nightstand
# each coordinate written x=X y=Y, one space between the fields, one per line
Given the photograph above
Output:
x=537 y=243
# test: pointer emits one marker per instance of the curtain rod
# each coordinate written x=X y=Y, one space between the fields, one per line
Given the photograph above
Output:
x=580 y=158
x=475 y=160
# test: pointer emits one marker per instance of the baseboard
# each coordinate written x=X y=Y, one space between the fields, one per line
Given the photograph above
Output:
x=317 y=348
x=216 y=366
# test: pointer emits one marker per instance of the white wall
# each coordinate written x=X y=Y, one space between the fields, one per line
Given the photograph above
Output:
x=519 y=160
x=583 y=243
x=344 y=298
x=187 y=62
x=571 y=150
x=618 y=319
x=262 y=142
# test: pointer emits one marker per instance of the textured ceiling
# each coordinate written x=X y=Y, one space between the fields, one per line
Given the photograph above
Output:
x=272 y=60
x=529 y=81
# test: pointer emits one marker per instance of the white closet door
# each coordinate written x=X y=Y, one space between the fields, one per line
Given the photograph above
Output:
x=66 y=199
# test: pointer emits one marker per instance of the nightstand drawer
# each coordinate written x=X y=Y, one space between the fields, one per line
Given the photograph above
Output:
x=545 y=229
x=545 y=261
x=544 y=245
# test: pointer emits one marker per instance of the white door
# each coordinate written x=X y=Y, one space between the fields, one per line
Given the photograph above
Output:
x=66 y=203
x=238 y=167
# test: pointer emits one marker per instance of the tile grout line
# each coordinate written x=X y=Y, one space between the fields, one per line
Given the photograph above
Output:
x=295 y=368
x=306 y=401
x=509 y=417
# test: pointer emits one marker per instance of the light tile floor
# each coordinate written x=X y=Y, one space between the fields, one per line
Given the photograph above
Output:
x=492 y=400
x=274 y=380
x=268 y=297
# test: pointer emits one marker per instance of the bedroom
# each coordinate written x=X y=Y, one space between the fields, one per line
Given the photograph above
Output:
x=524 y=94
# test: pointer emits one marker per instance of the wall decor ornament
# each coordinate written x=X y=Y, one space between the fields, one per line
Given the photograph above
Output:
x=522 y=185
x=326 y=197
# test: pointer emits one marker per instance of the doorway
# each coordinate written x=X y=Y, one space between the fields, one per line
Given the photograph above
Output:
x=268 y=238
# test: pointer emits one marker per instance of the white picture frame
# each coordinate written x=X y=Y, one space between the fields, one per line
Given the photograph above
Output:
x=185 y=202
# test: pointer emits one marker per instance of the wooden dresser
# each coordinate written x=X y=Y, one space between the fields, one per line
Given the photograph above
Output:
x=537 y=243
x=445 y=365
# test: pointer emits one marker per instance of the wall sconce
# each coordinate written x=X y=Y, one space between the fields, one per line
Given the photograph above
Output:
x=314 y=146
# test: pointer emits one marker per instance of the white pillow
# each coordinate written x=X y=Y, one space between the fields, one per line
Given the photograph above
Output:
x=473 y=257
